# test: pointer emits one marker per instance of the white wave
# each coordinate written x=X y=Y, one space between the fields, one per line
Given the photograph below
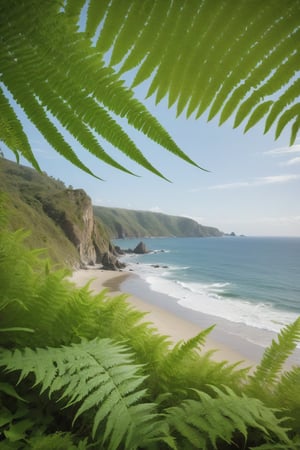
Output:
x=207 y=299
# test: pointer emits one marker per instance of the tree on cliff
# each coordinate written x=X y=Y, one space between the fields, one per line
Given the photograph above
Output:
x=62 y=62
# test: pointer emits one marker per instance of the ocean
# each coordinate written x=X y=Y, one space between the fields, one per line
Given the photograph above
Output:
x=252 y=281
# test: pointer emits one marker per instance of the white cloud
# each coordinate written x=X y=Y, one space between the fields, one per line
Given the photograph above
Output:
x=292 y=162
x=284 y=150
x=231 y=185
x=275 y=179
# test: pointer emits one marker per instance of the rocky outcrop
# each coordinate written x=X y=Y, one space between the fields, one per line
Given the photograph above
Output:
x=79 y=225
x=140 y=249
x=110 y=262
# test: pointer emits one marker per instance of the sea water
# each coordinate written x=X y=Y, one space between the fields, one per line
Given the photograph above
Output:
x=246 y=280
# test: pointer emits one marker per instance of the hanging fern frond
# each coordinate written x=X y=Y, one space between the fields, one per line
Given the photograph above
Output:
x=284 y=100
x=148 y=36
x=12 y=133
x=206 y=56
x=95 y=13
x=52 y=56
x=212 y=421
x=130 y=29
x=257 y=114
x=285 y=118
x=99 y=377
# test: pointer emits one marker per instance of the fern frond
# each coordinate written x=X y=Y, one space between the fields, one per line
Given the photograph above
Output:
x=26 y=98
x=211 y=421
x=131 y=29
x=113 y=23
x=148 y=36
x=295 y=129
x=56 y=441
x=12 y=133
x=100 y=376
x=287 y=395
x=95 y=13
x=268 y=371
x=286 y=117
x=187 y=349
x=273 y=446
x=257 y=114
x=73 y=69
x=231 y=57
x=287 y=98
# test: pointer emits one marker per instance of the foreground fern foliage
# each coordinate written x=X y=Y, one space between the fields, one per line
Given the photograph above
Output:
x=100 y=376
x=210 y=422
x=81 y=371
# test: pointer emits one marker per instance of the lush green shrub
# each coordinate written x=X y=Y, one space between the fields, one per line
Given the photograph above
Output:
x=79 y=369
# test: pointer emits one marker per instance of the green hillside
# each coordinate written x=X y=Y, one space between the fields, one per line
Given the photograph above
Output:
x=130 y=223
x=45 y=207
x=54 y=214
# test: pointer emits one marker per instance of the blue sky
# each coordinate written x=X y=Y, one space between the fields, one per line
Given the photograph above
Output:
x=252 y=188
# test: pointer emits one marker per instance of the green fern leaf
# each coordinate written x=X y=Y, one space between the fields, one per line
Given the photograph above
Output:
x=12 y=133
x=211 y=421
x=148 y=35
x=95 y=13
x=99 y=375
x=284 y=100
x=131 y=29
x=285 y=118
x=295 y=129
x=185 y=349
x=288 y=389
x=267 y=373
x=113 y=23
x=287 y=395
x=273 y=446
x=259 y=112
x=38 y=116
x=74 y=7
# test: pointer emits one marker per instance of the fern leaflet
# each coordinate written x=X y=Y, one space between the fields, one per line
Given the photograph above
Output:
x=267 y=373
x=210 y=421
x=99 y=375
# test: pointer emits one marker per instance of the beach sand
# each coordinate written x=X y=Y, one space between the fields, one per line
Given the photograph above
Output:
x=165 y=321
x=232 y=342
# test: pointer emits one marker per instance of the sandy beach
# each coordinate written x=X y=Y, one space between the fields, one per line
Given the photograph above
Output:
x=167 y=322
x=232 y=342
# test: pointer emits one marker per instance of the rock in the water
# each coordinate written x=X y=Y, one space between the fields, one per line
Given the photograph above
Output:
x=141 y=249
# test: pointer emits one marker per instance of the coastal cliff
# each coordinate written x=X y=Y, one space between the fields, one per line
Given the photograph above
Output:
x=60 y=219
x=74 y=232
x=72 y=210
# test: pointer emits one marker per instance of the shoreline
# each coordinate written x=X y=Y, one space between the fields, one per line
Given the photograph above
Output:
x=231 y=342
x=166 y=321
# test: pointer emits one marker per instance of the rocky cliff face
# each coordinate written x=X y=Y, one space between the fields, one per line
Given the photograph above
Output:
x=72 y=210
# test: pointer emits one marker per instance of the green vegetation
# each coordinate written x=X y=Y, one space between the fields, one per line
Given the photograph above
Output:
x=80 y=371
x=129 y=223
x=233 y=59
x=85 y=371
x=45 y=206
